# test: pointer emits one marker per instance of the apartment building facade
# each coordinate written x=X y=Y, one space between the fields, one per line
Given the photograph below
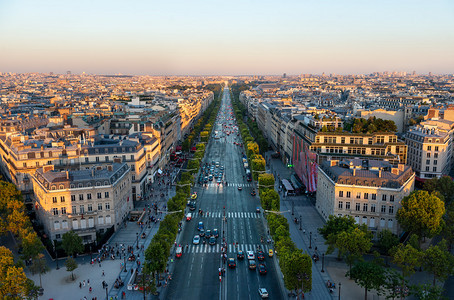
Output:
x=86 y=201
x=368 y=190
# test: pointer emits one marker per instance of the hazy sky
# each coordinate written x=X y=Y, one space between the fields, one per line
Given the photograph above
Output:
x=226 y=37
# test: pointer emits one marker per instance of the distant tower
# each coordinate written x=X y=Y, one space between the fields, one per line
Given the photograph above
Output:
x=284 y=75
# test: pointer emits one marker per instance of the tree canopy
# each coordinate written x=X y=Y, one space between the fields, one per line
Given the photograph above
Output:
x=72 y=243
x=370 y=125
x=368 y=275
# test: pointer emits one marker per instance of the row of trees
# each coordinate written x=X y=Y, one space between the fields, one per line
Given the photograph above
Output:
x=158 y=251
x=370 y=125
x=295 y=265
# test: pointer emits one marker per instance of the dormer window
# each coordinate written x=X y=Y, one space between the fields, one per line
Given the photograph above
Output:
x=61 y=187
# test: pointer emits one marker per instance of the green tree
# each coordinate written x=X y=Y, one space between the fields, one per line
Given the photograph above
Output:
x=448 y=228
x=297 y=271
x=386 y=241
x=443 y=185
x=71 y=265
x=72 y=243
x=421 y=213
x=438 y=261
x=266 y=181
x=13 y=282
x=407 y=258
x=31 y=244
x=353 y=244
x=334 y=226
x=368 y=275
x=39 y=266
x=156 y=256
x=427 y=291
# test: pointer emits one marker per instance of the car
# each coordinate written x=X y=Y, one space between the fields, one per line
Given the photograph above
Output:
x=192 y=205
x=205 y=180
x=250 y=255
x=260 y=255
x=257 y=210
x=212 y=241
x=270 y=253
x=263 y=293
x=200 y=226
x=188 y=217
x=240 y=188
x=221 y=167
x=253 y=193
x=207 y=233
x=240 y=254
x=251 y=264
x=210 y=177
x=262 y=269
x=215 y=232
x=219 y=180
x=196 y=239
x=202 y=232
x=179 y=251
x=231 y=263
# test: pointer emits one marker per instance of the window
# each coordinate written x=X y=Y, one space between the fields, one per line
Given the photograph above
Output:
x=383 y=208
x=341 y=193
x=99 y=206
x=436 y=148
x=340 y=204
x=391 y=198
x=55 y=211
x=106 y=195
x=383 y=197
x=391 y=209
x=74 y=211
x=64 y=225
x=54 y=199
x=347 y=205
x=134 y=178
x=63 y=210
x=366 y=195
x=90 y=207
x=107 y=205
x=427 y=169
x=106 y=158
x=97 y=159
x=348 y=194
x=24 y=165
x=427 y=161
x=428 y=154
x=57 y=225
x=435 y=162
x=81 y=197
x=374 y=196
x=358 y=207
x=434 y=169
x=62 y=199
x=88 y=196
x=37 y=163
x=372 y=207
x=132 y=157
x=86 y=159
x=73 y=198
x=99 y=195
x=358 y=195
x=435 y=155
x=82 y=209
x=429 y=148
x=364 y=206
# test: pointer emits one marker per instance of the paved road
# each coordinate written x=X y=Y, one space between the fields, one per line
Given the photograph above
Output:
x=196 y=273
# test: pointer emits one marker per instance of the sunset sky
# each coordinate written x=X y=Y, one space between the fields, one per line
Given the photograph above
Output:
x=226 y=37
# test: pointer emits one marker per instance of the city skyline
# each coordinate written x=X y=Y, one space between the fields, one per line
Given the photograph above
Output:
x=227 y=38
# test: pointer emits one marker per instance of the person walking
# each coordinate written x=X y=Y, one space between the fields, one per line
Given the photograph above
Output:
x=103 y=273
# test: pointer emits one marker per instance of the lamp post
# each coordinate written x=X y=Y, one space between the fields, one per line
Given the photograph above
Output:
x=323 y=262
x=56 y=254
x=137 y=240
x=293 y=207
x=107 y=292
x=91 y=253
x=301 y=221
x=340 y=284
x=310 y=240
x=124 y=258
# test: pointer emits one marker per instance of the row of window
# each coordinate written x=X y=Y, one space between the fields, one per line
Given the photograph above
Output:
x=366 y=196
x=83 y=223
x=365 y=207
x=371 y=221
x=55 y=210
x=81 y=197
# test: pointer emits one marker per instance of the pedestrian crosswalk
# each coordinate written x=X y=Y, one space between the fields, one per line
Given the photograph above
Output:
x=243 y=185
x=205 y=248
x=230 y=215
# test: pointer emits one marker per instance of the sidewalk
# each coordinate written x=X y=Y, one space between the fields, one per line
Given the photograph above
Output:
x=312 y=243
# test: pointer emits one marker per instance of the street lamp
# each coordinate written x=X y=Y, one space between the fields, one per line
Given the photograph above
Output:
x=293 y=207
x=310 y=240
x=107 y=292
x=91 y=253
x=137 y=240
x=323 y=262
x=301 y=221
x=340 y=284
x=124 y=258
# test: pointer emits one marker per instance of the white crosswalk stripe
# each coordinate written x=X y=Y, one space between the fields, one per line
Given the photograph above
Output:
x=231 y=249
x=230 y=215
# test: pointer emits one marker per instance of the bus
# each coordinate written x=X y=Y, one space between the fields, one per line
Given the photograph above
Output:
x=248 y=175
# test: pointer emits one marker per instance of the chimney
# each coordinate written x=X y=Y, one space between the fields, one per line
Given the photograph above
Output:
x=109 y=167
x=401 y=167
x=354 y=171
x=92 y=172
x=48 y=168
x=67 y=175
x=379 y=173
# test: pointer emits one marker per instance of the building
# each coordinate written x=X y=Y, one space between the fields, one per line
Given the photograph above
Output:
x=368 y=190
x=429 y=151
x=86 y=201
